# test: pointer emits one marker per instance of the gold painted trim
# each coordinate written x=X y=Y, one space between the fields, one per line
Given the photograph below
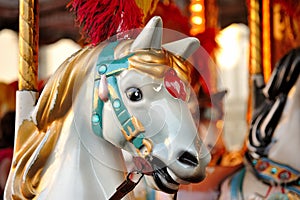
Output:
x=148 y=145
x=138 y=128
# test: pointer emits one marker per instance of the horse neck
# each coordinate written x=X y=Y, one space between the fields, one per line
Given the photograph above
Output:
x=77 y=171
x=287 y=131
x=82 y=165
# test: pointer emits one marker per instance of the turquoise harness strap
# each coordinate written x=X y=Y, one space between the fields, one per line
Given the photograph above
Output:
x=107 y=55
x=130 y=130
x=272 y=172
x=236 y=185
x=131 y=127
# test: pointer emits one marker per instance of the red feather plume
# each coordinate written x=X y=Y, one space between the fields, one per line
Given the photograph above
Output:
x=101 y=19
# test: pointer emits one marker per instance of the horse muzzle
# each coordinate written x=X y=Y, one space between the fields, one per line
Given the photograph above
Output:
x=189 y=168
x=185 y=170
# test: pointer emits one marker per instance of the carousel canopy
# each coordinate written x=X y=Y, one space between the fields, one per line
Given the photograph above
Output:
x=56 y=21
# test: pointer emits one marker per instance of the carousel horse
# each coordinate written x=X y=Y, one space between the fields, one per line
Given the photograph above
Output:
x=129 y=94
x=272 y=167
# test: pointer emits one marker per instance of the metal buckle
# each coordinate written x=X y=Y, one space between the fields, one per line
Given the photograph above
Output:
x=129 y=134
x=137 y=138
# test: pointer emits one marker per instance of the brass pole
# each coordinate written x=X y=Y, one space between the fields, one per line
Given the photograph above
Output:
x=28 y=45
x=266 y=35
x=255 y=60
x=255 y=37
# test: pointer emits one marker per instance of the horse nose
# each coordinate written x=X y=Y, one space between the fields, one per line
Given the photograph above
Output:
x=188 y=159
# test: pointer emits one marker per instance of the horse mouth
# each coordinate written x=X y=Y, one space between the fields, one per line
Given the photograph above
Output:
x=164 y=181
x=162 y=178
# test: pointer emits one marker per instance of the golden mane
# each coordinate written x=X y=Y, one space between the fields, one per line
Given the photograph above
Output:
x=35 y=141
x=155 y=62
x=37 y=138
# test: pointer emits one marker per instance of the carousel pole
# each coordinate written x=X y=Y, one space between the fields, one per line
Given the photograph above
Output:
x=266 y=38
x=28 y=59
x=256 y=79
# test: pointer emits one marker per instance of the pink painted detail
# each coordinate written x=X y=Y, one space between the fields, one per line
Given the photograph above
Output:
x=142 y=165
x=175 y=85
x=103 y=89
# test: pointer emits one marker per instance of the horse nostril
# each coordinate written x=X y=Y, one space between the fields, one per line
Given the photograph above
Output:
x=188 y=159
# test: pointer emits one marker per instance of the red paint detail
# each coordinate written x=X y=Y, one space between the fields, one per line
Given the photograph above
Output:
x=284 y=175
x=268 y=192
x=261 y=166
x=175 y=85
x=142 y=165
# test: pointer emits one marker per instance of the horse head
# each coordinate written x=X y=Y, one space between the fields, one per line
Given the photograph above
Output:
x=130 y=94
x=273 y=132
x=144 y=93
x=272 y=170
x=274 y=135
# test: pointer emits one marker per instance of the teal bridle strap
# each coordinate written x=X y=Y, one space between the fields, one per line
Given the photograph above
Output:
x=132 y=129
x=236 y=186
x=107 y=55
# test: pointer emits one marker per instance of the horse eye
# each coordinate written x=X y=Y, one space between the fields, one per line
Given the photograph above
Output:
x=134 y=94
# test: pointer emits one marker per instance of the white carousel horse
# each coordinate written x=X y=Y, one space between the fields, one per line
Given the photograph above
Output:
x=128 y=94
x=272 y=167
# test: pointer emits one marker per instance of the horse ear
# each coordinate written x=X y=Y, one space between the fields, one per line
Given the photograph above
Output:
x=150 y=37
x=184 y=47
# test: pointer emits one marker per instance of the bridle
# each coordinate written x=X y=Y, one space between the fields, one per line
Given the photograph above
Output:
x=132 y=128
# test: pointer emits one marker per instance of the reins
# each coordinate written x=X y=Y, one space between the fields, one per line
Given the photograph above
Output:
x=126 y=186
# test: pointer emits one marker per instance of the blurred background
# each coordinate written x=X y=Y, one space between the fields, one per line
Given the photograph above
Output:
x=242 y=42
x=223 y=32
